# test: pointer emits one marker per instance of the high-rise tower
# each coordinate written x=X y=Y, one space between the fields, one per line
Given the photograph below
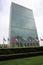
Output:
x=22 y=27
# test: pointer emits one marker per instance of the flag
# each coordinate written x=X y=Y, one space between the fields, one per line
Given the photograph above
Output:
x=4 y=39
x=13 y=39
x=8 y=39
x=41 y=39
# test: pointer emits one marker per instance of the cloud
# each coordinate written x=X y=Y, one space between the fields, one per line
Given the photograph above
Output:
x=1 y=6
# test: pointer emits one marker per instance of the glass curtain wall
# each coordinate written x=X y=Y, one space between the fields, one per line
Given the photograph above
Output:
x=23 y=31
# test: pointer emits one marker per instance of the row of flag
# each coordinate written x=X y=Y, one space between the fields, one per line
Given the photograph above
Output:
x=14 y=39
x=5 y=39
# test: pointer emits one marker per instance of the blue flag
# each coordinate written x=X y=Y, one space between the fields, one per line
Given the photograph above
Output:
x=4 y=39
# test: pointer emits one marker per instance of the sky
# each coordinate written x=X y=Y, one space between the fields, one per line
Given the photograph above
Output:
x=35 y=5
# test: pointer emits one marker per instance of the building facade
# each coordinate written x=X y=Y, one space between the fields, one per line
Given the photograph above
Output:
x=23 y=31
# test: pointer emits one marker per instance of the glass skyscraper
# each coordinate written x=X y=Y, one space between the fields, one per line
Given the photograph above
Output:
x=23 y=31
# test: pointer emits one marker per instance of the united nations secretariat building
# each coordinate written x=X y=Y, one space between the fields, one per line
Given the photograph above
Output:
x=22 y=29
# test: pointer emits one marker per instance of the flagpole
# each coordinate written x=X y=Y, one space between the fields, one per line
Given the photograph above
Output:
x=3 y=42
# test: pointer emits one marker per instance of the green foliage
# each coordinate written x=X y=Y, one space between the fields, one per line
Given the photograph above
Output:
x=5 y=51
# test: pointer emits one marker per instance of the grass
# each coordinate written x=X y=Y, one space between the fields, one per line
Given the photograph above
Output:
x=38 y=60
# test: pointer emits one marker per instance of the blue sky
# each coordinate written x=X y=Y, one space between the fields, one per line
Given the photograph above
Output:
x=35 y=5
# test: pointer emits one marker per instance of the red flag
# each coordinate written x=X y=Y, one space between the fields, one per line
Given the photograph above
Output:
x=13 y=39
